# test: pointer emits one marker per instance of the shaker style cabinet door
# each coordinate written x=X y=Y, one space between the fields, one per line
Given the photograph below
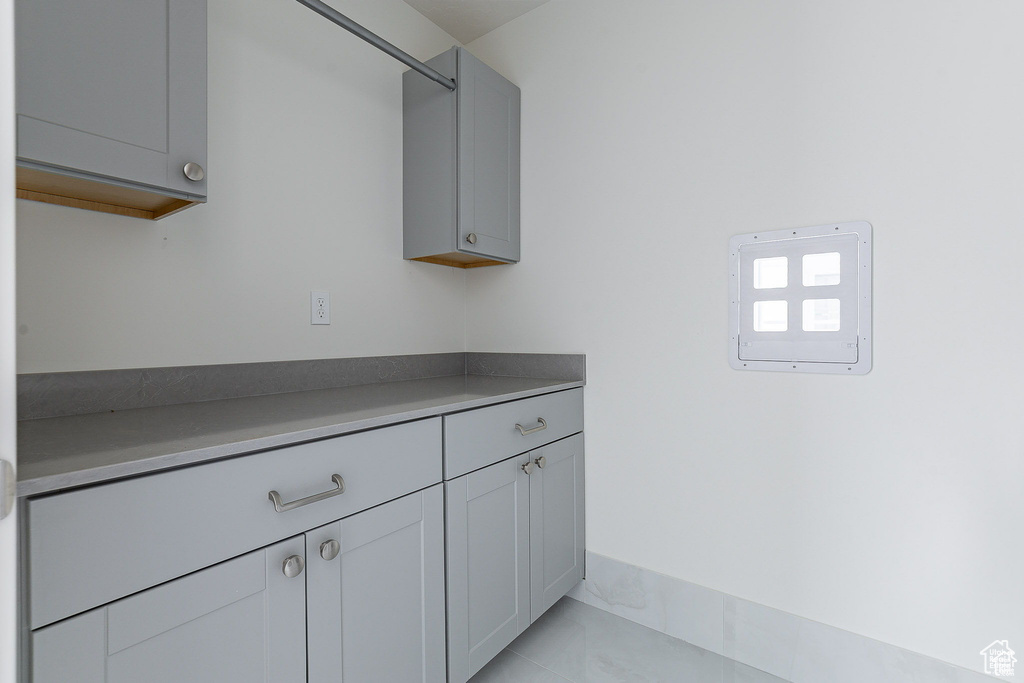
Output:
x=488 y=564
x=113 y=88
x=375 y=591
x=488 y=130
x=461 y=165
x=239 y=621
x=556 y=522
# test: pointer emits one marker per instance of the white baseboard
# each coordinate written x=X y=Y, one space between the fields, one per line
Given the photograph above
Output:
x=785 y=645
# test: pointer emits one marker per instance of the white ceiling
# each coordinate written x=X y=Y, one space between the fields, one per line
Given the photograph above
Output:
x=467 y=20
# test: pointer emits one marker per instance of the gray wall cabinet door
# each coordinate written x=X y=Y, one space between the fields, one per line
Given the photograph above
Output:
x=376 y=609
x=556 y=522
x=114 y=88
x=488 y=564
x=239 y=621
x=461 y=164
x=489 y=110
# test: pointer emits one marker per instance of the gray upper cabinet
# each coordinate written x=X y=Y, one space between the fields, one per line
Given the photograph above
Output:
x=461 y=164
x=239 y=621
x=375 y=591
x=111 y=104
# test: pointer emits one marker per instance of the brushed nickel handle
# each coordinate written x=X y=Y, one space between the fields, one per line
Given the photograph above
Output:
x=471 y=238
x=330 y=549
x=541 y=461
x=528 y=467
x=293 y=566
x=193 y=171
x=533 y=430
x=285 y=507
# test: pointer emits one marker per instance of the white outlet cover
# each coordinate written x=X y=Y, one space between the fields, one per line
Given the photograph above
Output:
x=320 y=308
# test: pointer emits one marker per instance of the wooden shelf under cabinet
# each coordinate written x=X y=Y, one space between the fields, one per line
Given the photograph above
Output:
x=457 y=259
x=94 y=195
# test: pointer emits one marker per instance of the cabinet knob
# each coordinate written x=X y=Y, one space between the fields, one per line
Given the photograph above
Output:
x=541 y=461
x=330 y=549
x=293 y=566
x=194 y=171
x=471 y=238
x=528 y=468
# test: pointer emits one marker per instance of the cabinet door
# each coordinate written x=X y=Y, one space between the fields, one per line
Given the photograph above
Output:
x=488 y=107
x=556 y=522
x=488 y=564
x=239 y=621
x=376 y=609
x=115 y=88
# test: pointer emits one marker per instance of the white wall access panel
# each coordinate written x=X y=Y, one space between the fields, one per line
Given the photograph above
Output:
x=800 y=299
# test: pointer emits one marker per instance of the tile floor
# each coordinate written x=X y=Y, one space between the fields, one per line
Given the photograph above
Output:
x=584 y=644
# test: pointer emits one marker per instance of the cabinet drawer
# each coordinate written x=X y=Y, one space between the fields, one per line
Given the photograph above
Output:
x=478 y=438
x=91 y=546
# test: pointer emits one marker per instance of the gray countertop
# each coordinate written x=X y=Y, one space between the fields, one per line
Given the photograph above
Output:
x=63 y=452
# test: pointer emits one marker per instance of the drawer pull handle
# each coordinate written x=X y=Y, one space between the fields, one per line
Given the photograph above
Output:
x=534 y=430
x=285 y=507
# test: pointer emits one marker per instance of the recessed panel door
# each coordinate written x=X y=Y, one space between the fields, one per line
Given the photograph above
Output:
x=376 y=594
x=114 y=88
x=488 y=564
x=239 y=621
x=488 y=140
x=556 y=522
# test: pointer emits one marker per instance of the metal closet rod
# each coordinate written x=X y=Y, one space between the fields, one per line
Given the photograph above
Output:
x=341 y=20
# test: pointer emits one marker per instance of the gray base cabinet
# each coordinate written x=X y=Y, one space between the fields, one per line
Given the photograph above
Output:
x=376 y=609
x=389 y=572
x=111 y=103
x=515 y=546
x=239 y=621
x=461 y=165
x=362 y=601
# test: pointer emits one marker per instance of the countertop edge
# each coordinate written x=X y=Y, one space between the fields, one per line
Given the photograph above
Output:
x=98 y=475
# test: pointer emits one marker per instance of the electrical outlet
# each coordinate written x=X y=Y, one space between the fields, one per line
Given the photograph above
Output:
x=320 y=308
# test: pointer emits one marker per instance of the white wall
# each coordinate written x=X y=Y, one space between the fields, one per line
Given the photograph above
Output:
x=889 y=505
x=305 y=177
